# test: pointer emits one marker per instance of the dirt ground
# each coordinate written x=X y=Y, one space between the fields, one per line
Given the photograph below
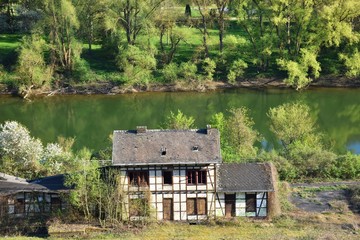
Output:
x=323 y=197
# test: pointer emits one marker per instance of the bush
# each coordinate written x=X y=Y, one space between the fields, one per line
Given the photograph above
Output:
x=237 y=70
x=170 y=72
x=209 y=66
x=347 y=167
x=188 y=71
x=82 y=71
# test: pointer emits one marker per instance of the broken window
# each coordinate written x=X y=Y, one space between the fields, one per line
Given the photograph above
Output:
x=139 y=178
x=196 y=177
x=167 y=177
x=196 y=206
x=250 y=202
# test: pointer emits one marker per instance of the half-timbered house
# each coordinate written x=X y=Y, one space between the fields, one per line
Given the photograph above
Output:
x=179 y=175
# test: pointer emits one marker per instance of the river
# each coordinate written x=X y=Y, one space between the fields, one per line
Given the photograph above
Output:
x=92 y=118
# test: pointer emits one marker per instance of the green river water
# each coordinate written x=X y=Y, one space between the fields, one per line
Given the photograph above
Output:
x=90 y=119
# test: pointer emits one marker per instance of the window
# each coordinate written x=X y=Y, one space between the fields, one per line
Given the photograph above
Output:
x=196 y=206
x=167 y=177
x=139 y=178
x=195 y=148
x=196 y=177
x=163 y=151
x=138 y=207
x=250 y=202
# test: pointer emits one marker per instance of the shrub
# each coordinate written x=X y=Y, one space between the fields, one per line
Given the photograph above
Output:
x=236 y=70
x=170 y=72
x=209 y=66
x=188 y=71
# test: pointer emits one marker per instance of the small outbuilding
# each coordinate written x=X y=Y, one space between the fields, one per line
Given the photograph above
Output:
x=20 y=198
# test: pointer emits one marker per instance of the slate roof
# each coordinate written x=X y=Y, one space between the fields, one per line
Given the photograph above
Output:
x=197 y=146
x=54 y=183
x=11 y=184
x=244 y=177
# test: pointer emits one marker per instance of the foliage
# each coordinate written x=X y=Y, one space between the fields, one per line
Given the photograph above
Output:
x=32 y=69
x=188 y=71
x=136 y=64
x=352 y=63
x=20 y=153
x=298 y=72
x=209 y=66
x=237 y=135
x=240 y=134
x=179 y=121
x=254 y=39
x=55 y=159
x=292 y=122
x=236 y=70
x=170 y=72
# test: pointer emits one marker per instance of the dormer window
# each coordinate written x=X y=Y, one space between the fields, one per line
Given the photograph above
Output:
x=195 y=148
x=163 y=151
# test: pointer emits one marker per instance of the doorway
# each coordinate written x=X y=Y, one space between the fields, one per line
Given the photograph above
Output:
x=230 y=200
x=168 y=209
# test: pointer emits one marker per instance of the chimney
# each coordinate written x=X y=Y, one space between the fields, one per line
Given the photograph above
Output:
x=141 y=129
x=208 y=129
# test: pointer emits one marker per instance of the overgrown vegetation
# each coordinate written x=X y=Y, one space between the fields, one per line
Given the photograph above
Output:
x=137 y=43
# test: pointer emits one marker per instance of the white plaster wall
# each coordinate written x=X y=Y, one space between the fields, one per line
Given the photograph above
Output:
x=176 y=191
x=240 y=205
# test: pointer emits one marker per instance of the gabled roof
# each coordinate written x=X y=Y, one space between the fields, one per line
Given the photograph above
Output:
x=10 y=184
x=146 y=147
x=245 y=177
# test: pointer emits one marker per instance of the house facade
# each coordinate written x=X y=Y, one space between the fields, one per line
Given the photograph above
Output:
x=179 y=175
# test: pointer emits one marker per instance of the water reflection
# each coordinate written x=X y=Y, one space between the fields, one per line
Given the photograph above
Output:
x=92 y=118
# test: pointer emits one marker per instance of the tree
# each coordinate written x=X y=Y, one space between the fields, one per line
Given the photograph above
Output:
x=240 y=133
x=236 y=70
x=204 y=10
x=179 y=121
x=56 y=160
x=352 y=63
x=32 y=70
x=237 y=135
x=60 y=22
x=292 y=122
x=132 y=15
x=19 y=152
x=90 y=14
x=137 y=64
x=221 y=8
x=300 y=72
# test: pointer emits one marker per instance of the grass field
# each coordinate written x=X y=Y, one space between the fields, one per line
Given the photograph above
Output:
x=296 y=225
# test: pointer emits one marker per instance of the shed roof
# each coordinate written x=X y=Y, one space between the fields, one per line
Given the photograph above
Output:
x=196 y=146
x=245 y=177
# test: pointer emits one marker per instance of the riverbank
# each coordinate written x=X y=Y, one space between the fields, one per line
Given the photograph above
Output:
x=111 y=88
